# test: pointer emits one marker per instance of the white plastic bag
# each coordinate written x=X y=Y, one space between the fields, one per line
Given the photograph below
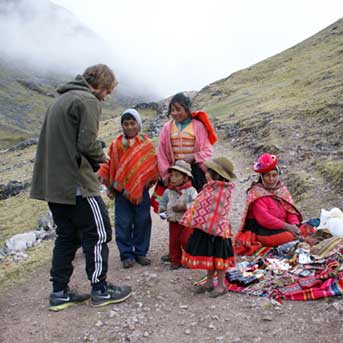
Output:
x=332 y=221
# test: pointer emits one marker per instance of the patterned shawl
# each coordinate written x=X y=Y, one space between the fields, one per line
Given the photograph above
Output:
x=132 y=167
x=280 y=193
x=210 y=210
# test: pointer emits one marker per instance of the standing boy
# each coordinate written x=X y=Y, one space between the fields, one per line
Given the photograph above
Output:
x=129 y=173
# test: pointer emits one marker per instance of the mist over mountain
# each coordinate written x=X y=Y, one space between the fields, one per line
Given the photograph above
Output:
x=44 y=45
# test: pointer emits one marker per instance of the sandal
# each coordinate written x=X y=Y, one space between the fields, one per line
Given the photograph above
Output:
x=203 y=289
x=215 y=293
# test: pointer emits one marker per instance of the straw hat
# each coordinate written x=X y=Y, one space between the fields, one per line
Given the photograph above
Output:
x=183 y=167
x=222 y=166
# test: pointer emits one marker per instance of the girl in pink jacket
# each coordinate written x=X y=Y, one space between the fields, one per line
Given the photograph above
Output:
x=188 y=136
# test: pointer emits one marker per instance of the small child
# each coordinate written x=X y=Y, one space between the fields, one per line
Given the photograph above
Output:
x=175 y=201
x=210 y=246
x=129 y=173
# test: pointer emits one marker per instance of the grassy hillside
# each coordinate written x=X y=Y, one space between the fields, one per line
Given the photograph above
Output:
x=290 y=104
x=26 y=94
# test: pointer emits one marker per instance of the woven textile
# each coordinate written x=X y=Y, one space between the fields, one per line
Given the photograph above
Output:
x=205 y=119
x=132 y=167
x=210 y=210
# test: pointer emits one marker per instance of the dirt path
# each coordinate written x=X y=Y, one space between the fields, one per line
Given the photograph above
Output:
x=162 y=308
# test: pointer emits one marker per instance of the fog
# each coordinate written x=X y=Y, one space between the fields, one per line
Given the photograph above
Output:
x=158 y=47
x=39 y=35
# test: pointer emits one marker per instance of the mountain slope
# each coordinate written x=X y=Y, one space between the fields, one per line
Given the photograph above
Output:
x=290 y=104
x=34 y=61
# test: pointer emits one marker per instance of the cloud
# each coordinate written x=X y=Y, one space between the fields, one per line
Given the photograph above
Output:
x=42 y=35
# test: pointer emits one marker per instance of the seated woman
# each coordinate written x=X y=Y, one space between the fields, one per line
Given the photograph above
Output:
x=270 y=217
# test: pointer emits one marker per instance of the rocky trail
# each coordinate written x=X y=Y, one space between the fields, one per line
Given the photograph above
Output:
x=163 y=308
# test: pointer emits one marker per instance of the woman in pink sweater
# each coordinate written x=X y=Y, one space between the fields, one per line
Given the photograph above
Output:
x=270 y=217
x=188 y=136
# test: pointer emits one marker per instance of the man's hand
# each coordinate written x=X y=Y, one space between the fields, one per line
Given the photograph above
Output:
x=110 y=194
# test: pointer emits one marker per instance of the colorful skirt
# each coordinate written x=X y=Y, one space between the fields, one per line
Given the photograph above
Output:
x=208 y=252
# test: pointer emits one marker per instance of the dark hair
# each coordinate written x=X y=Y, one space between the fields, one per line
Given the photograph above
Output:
x=182 y=100
x=126 y=116
x=215 y=176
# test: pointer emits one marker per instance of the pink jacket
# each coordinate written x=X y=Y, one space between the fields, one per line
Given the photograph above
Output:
x=270 y=214
x=203 y=149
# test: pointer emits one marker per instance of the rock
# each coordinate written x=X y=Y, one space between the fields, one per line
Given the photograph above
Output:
x=187 y=332
x=24 y=144
x=21 y=241
x=267 y=318
x=112 y=314
x=338 y=306
x=12 y=188
x=99 y=324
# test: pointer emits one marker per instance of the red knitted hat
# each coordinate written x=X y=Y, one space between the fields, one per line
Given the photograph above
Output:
x=265 y=163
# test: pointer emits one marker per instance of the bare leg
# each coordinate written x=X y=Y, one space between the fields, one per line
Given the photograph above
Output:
x=210 y=275
x=221 y=279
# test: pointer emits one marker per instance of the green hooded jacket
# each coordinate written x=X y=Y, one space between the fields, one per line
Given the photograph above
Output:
x=68 y=146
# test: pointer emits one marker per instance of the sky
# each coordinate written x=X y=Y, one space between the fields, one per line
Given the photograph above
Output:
x=171 y=46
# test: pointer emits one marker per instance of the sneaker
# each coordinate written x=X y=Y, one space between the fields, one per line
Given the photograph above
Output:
x=128 y=263
x=165 y=258
x=112 y=295
x=61 y=300
x=143 y=260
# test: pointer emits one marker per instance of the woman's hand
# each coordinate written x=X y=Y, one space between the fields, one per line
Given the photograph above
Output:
x=189 y=158
x=292 y=228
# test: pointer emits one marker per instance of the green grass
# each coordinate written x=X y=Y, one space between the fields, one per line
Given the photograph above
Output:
x=19 y=214
x=12 y=274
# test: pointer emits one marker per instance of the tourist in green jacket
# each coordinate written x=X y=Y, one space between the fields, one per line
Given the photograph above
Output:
x=67 y=155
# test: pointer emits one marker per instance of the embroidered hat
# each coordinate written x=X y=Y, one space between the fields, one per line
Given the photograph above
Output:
x=183 y=167
x=265 y=163
x=222 y=166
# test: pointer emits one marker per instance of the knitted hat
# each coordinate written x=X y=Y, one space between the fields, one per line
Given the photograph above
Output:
x=182 y=167
x=135 y=114
x=222 y=166
x=265 y=163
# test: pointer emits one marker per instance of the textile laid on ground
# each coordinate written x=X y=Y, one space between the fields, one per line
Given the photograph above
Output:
x=293 y=271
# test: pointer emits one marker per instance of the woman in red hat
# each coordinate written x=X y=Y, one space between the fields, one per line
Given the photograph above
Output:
x=270 y=217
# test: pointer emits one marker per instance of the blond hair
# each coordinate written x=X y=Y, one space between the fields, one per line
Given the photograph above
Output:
x=100 y=76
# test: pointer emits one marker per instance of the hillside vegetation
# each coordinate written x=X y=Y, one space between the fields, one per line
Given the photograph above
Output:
x=290 y=104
